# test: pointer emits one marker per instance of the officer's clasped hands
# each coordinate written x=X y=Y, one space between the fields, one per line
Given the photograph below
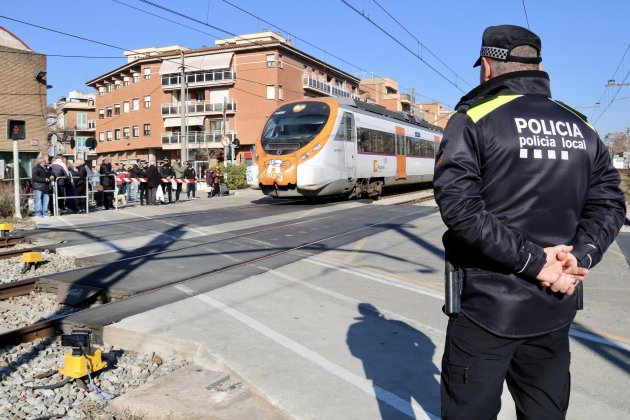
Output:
x=561 y=272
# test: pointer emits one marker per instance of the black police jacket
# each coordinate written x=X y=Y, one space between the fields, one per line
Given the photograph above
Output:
x=516 y=172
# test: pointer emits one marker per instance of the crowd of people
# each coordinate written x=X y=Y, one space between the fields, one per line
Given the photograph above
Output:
x=143 y=182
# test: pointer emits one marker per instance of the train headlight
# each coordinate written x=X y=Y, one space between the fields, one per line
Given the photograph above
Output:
x=317 y=147
x=305 y=156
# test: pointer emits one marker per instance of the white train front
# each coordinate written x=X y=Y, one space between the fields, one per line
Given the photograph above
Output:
x=338 y=146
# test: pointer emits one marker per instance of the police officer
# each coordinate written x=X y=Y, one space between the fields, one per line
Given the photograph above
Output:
x=531 y=201
x=166 y=172
x=143 y=189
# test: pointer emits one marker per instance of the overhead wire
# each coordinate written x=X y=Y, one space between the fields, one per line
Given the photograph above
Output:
x=613 y=97
x=420 y=43
x=396 y=40
x=316 y=47
x=142 y=53
x=525 y=10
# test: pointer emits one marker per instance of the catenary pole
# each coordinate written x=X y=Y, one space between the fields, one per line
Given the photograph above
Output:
x=182 y=96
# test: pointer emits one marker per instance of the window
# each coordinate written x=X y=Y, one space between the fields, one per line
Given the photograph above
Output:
x=109 y=88
x=117 y=109
x=109 y=112
x=117 y=134
x=135 y=104
x=101 y=137
x=101 y=114
x=126 y=132
x=81 y=120
x=91 y=124
x=126 y=81
x=147 y=129
x=136 y=77
x=147 y=73
x=147 y=101
x=200 y=96
x=271 y=92
x=271 y=60
x=101 y=90
x=136 y=131
x=126 y=107
x=90 y=102
x=109 y=136
x=117 y=85
x=280 y=93
x=215 y=125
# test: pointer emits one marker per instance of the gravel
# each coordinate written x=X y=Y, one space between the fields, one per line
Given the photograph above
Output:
x=36 y=364
x=11 y=268
x=30 y=365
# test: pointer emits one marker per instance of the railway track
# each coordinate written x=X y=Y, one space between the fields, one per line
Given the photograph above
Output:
x=7 y=241
x=54 y=326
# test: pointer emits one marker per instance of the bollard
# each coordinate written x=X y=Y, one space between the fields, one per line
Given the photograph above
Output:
x=31 y=260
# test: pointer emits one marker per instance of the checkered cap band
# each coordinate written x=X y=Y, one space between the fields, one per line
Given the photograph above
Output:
x=494 y=52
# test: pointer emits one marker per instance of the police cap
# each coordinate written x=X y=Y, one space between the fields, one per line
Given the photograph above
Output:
x=498 y=42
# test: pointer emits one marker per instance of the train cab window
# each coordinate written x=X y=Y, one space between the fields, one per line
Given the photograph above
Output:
x=293 y=126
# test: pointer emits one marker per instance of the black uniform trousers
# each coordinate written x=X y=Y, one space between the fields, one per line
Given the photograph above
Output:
x=476 y=362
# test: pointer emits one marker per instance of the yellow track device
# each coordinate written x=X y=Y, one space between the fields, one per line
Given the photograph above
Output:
x=5 y=228
x=75 y=366
x=32 y=257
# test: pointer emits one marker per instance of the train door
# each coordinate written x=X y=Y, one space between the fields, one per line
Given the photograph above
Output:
x=401 y=160
x=350 y=143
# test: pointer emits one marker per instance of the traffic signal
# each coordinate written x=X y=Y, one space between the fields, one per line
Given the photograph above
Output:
x=228 y=156
x=236 y=143
x=73 y=143
x=16 y=129
x=90 y=143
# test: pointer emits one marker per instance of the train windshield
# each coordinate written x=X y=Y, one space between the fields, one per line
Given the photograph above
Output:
x=293 y=126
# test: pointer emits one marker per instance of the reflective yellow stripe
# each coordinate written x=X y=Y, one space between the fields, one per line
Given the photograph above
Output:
x=478 y=112
x=568 y=108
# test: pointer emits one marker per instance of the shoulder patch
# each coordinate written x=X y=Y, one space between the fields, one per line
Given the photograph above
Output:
x=482 y=109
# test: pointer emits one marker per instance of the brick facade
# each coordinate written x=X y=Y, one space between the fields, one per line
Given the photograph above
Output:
x=22 y=97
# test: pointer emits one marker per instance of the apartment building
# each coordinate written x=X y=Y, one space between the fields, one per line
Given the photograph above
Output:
x=229 y=91
x=436 y=113
x=22 y=97
x=74 y=122
x=384 y=91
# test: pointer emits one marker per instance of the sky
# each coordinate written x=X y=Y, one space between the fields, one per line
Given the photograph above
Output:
x=429 y=47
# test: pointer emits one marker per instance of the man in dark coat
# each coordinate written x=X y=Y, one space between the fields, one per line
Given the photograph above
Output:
x=166 y=172
x=108 y=181
x=153 y=182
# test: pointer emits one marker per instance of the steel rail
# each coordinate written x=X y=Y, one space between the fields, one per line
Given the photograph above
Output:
x=17 y=288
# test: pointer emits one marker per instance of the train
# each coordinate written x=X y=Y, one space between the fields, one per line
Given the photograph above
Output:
x=321 y=147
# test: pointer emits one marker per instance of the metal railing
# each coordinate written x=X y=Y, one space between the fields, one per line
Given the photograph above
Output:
x=325 y=87
x=88 y=190
x=200 y=78
x=196 y=137
x=199 y=107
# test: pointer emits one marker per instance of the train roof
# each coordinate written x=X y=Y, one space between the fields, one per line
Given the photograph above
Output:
x=380 y=110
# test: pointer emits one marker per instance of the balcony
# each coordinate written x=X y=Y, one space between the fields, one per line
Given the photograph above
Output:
x=198 y=79
x=196 y=139
x=199 y=108
x=310 y=83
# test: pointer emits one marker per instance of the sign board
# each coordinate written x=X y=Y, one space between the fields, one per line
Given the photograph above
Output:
x=226 y=141
x=34 y=142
